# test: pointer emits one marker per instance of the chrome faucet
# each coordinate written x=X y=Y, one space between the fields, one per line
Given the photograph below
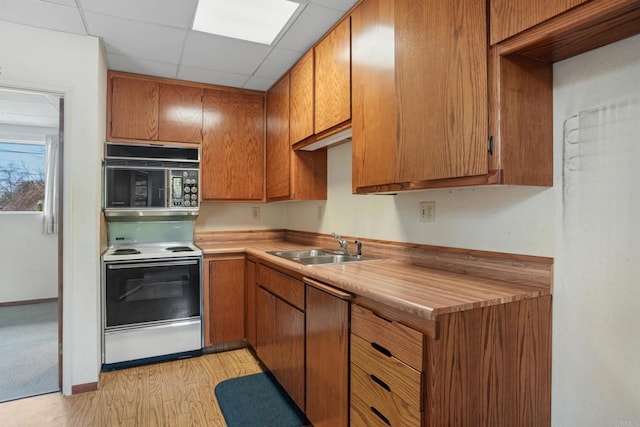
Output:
x=342 y=243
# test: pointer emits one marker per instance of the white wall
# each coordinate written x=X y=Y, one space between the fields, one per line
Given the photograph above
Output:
x=28 y=258
x=503 y=219
x=596 y=342
x=238 y=216
x=73 y=66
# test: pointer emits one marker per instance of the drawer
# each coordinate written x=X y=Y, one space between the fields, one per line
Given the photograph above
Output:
x=285 y=287
x=398 y=376
x=378 y=395
x=403 y=342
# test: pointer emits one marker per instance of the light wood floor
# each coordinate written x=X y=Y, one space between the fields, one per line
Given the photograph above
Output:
x=178 y=393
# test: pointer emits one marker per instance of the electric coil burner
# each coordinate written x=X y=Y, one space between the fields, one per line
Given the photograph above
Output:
x=179 y=249
x=128 y=251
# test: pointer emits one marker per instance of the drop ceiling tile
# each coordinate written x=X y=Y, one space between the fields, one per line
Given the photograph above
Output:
x=278 y=62
x=213 y=77
x=43 y=15
x=175 y=13
x=312 y=23
x=259 y=83
x=342 y=5
x=130 y=38
x=219 y=53
x=141 y=66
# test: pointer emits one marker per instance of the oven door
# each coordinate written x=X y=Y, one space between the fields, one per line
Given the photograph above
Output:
x=139 y=293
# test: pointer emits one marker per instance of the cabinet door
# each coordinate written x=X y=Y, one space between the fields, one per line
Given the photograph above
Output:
x=509 y=17
x=266 y=329
x=420 y=97
x=180 y=113
x=233 y=146
x=278 y=148
x=134 y=108
x=327 y=337
x=301 y=114
x=333 y=78
x=290 y=341
x=250 y=303
x=226 y=301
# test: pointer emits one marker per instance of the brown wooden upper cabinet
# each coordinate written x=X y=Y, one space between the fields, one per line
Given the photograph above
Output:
x=233 y=145
x=509 y=17
x=301 y=99
x=290 y=175
x=145 y=109
x=419 y=91
x=333 y=78
x=320 y=94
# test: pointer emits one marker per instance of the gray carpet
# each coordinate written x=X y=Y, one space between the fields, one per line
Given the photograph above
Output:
x=28 y=350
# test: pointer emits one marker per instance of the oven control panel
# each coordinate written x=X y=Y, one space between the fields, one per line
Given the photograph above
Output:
x=184 y=188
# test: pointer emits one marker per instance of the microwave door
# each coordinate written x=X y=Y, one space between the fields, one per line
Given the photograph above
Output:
x=135 y=188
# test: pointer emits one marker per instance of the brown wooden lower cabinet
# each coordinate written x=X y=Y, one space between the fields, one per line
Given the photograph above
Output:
x=491 y=366
x=385 y=388
x=327 y=337
x=280 y=342
x=224 y=306
x=344 y=364
x=250 y=303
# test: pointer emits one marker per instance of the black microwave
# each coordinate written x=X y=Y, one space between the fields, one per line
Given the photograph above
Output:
x=151 y=180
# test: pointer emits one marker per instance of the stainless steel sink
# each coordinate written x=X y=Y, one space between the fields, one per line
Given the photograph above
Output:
x=318 y=256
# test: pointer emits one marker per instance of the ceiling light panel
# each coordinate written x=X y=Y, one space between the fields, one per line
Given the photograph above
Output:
x=257 y=21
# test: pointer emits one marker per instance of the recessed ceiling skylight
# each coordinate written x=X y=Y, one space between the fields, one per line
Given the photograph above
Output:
x=258 y=21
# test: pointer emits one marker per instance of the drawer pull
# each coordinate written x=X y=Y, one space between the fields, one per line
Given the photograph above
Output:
x=381 y=317
x=379 y=415
x=381 y=349
x=380 y=382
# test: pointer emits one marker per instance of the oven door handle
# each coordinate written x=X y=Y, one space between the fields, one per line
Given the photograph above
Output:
x=151 y=264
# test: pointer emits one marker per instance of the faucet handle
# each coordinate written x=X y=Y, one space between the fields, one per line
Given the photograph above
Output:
x=358 y=247
x=335 y=235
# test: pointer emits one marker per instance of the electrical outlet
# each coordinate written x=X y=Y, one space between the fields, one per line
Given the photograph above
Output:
x=427 y=211
x=255 y=213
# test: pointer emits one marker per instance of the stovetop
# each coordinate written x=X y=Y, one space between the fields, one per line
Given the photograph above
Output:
x=151 y=251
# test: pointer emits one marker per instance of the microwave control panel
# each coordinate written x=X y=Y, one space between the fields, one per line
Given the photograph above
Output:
x=184 y=188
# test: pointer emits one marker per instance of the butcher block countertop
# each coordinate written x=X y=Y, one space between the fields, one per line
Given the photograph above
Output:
x=415 y=290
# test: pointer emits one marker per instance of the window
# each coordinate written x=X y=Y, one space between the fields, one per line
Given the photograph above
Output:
x=21 y=176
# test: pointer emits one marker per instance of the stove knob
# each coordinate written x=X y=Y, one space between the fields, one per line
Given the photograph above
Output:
x=187 y=189
x=194 y=203
x=187 y=203
x=194 y=197
x=194 y=189
x=185 y=174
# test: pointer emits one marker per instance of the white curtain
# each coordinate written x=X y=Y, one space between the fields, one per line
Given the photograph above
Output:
x=52 y=173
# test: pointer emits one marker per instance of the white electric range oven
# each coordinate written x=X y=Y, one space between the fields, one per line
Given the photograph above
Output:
x=151 y=294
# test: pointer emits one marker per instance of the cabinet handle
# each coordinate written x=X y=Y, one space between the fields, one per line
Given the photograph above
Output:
x=380 y=382
x=379 y=415
x=381 y=349
x=381 y=317
x=328 y=289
